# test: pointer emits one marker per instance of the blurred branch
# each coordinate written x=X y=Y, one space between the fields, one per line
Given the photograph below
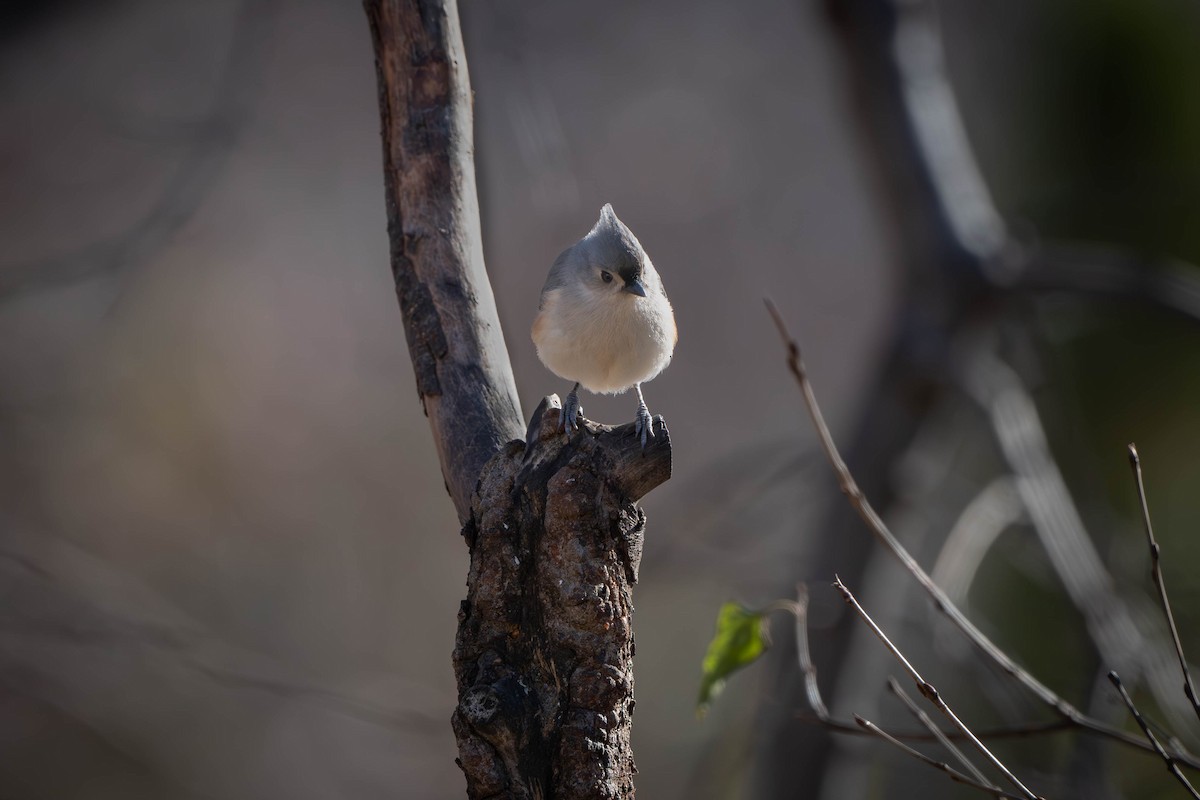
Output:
x=948 y=234
x=211 y=140
x=1135 y=463
x=1018 y=429
x=463 y=374
x=1110 y=271
x=945 y=214
x=943 y=603
x=996 y=508
x=808 y=670
x=884 y=536
x=400 y=717
x=958 y=261
x=1171 y=761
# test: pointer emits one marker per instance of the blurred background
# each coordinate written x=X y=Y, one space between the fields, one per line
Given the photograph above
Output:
x=228 y=566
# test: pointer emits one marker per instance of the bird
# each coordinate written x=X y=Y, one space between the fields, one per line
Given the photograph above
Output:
x=604 y=320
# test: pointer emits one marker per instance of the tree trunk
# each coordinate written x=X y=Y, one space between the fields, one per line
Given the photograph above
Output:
x=544 y=655
x=544 y=651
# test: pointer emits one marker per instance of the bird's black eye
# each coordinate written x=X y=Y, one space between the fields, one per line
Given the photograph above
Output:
x=606 y=276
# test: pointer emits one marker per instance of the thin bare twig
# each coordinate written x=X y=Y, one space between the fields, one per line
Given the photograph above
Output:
x=1002 y=732
x=930 y=693
x=820 y=712
x=1135 y=463
x=1172 y=764
x=931 y=726
x=941 y=766
x=807 y=669
x=943 y=603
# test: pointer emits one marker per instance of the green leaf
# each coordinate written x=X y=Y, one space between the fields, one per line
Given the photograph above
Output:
x=740 y=639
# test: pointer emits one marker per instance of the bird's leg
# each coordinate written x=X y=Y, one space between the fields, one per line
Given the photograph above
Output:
x=571 y=412
x=645 y=425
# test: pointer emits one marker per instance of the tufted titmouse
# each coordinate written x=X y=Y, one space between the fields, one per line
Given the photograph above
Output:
x=604 y=320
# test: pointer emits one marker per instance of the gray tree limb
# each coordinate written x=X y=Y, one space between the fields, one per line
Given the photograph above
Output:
x=463 y=373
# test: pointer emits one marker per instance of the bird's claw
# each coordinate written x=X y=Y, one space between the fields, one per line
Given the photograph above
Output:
x=644 y=427
x=570 y=414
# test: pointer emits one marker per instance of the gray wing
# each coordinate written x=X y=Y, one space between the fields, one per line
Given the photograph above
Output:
x=557 y=278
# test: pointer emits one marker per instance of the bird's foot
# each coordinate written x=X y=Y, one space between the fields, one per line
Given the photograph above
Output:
x=570 y=414
x=644 y=428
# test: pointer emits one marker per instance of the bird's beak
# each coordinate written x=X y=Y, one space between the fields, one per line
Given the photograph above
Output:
x=635 y=287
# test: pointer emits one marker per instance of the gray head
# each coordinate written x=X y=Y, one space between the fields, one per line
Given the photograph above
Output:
x=612 y=256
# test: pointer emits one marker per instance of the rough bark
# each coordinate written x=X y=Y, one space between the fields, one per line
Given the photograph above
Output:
x=464 y=378
x=544 y=651
x=545 y=641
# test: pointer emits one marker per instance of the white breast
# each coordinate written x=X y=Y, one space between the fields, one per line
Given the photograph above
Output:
x=607 y=344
